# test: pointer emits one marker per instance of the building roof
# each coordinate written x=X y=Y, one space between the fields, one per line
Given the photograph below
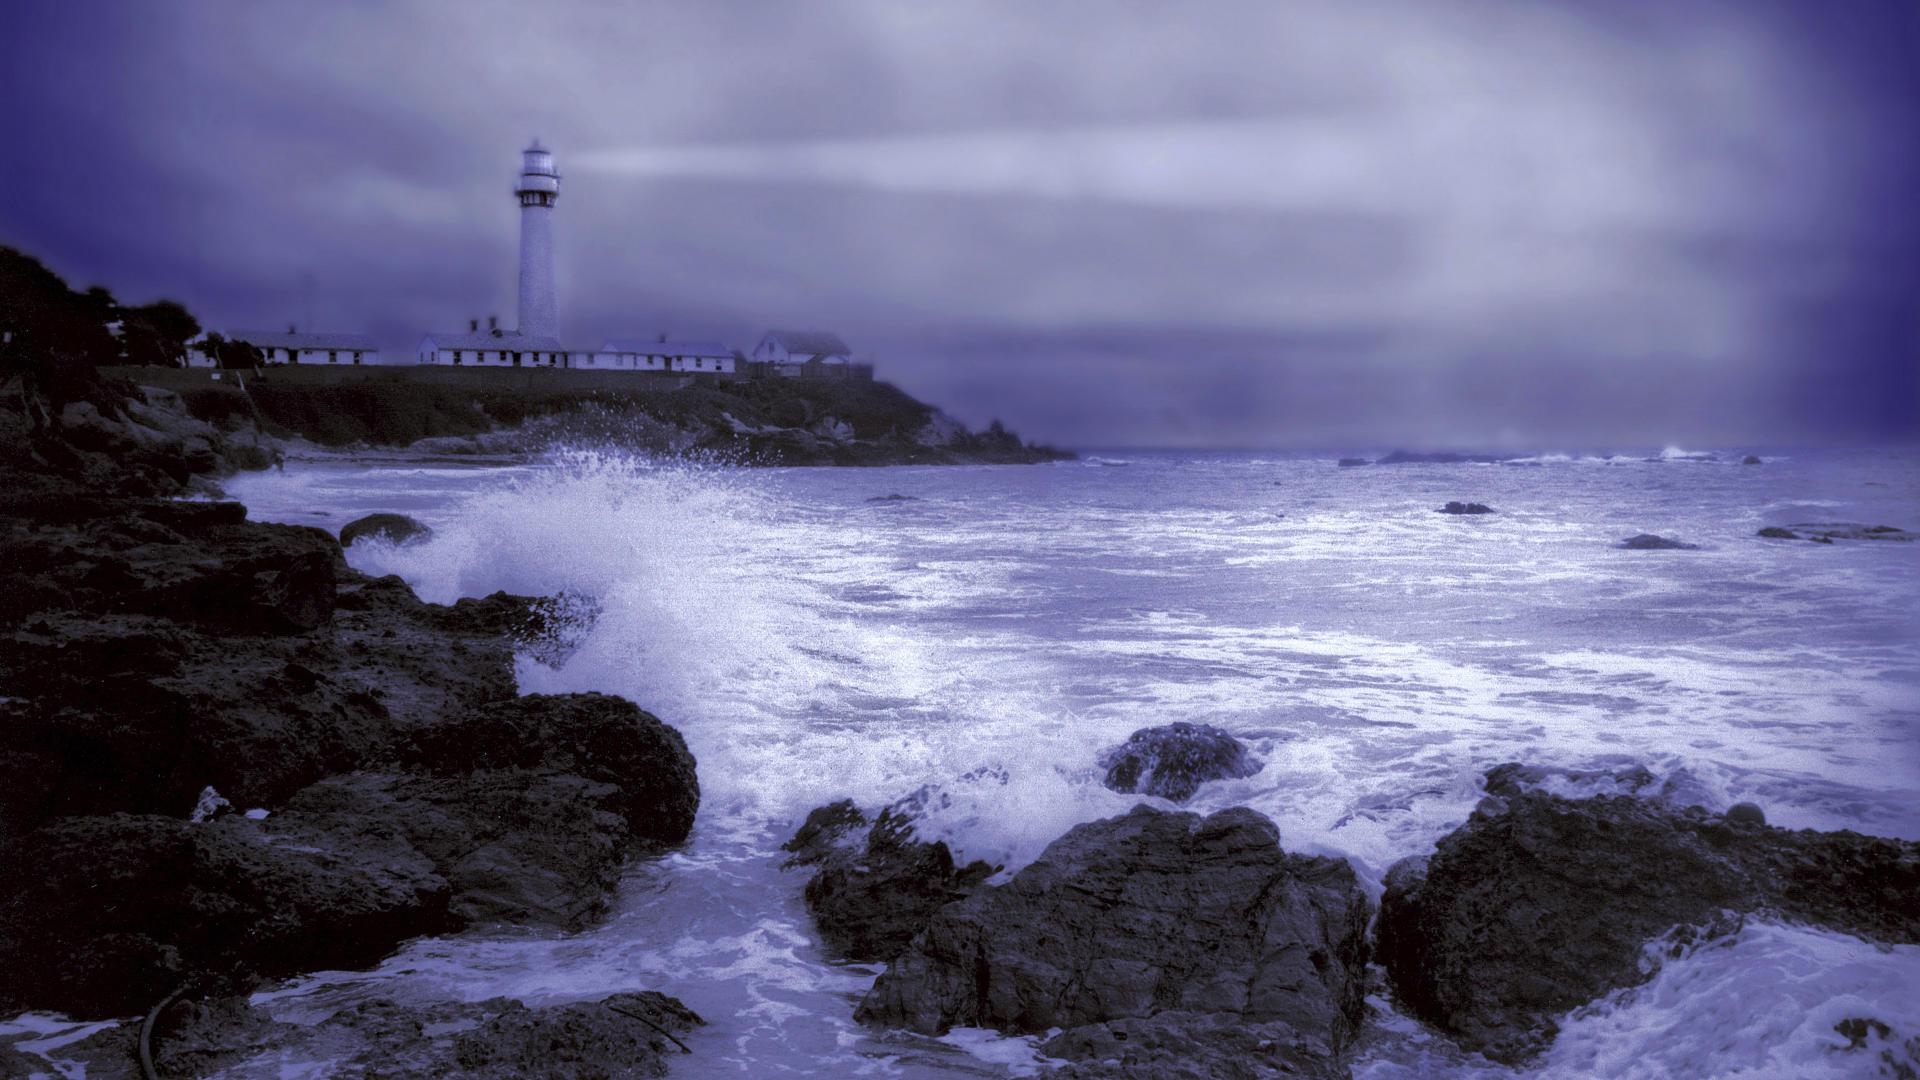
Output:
x=666 y=348
x=510 y=340
x=281 y=339
x=809 y=342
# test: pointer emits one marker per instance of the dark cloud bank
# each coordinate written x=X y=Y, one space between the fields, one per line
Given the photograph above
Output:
x=1260 y=224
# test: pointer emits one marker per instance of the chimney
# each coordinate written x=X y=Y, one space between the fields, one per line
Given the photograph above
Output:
x=473 y=326
x=291 y=329
x=493 y=322
x=663 y=339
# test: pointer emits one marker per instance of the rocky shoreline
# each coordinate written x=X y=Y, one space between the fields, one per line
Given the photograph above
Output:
x=227 y=757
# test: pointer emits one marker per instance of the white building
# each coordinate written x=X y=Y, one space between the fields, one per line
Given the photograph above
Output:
x=700 y=357
x=293 y=347
x=493 y=347
x=791 y=350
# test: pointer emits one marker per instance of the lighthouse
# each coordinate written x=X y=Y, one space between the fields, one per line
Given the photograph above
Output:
x=539 y=187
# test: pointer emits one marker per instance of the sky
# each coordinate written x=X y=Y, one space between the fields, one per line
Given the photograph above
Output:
x=1353 y=223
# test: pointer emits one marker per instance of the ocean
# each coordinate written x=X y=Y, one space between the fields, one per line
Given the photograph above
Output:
x=984 y=632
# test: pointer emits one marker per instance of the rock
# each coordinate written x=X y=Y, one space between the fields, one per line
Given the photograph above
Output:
x=1443 y=457
x=1828 y=532
x=1750 y=459
x=595 y=736
x=126 y=907
x=895 y=497
x=1353 y=462
x=1747 y=813
x=151 y=649
x=1774 y=532
x=875 y=889
x=1173 y=760
x=1541 y=904
x=1650 y=542
x=513 y=846
x=622 y=1036
x=1676 y=790
x=1466 y=508
x=1122 y=924
x=1182 y=1045
x=393 y=528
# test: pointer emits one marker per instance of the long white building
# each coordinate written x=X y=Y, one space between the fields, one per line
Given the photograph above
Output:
x=294 y=347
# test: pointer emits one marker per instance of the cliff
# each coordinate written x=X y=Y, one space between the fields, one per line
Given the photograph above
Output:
x=762 y=422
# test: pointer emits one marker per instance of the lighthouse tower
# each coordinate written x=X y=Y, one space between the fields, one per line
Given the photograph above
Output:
x=538 y=188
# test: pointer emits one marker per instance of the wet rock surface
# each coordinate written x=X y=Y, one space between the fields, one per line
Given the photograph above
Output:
x=393 y=528
x=1173 y=760
x=875 y=884
x=1466 y=508
x=1652 y=542
x=1540 y=904
x=154 y=649
x=1179 y=935
x=626 y=1035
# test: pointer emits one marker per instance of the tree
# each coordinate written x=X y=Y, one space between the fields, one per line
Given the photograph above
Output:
x=157 y=333
x=228 y=353
x=58 y=336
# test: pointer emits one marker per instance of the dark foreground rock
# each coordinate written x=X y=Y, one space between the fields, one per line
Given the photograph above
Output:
x=152 y=650
x=1173 y=760
x=622 y=1036
x=1651 y=542
x=393 y=528
x=1146 y=938
x=1540 y=904
x=875 y=884
x=1466 y=508
x=1353 y=462
x=483 y=831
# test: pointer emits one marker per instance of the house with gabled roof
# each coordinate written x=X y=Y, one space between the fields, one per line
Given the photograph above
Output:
x=786 y=347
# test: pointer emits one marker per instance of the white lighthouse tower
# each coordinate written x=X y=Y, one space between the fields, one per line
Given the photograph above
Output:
x=538 y=188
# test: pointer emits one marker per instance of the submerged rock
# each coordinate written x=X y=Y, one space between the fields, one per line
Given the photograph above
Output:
x=1651 y=542
x=1173 y=760
x=1466 y=508
x=1828 y=532
x=875 y=885
x=622 y=1036
x=1774 y=532
x=1541 y=904
x=895 y=497
x=1183 y=929
x=1440 y=457
x=1353 y=462
x=1750 y=459
x=393 y=528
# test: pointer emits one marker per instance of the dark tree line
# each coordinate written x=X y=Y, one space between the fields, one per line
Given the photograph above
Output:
x=46 y=324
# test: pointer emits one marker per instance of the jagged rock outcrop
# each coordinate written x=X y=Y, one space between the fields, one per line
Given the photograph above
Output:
x=623 y=1036
x=1466 y=508
x=875 y=885
x=1200 y=931
x=1173 y=760
x=1540 y=904
x=157 y=649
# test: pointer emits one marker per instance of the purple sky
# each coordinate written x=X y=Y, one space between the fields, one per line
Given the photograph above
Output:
x=1347 y=223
